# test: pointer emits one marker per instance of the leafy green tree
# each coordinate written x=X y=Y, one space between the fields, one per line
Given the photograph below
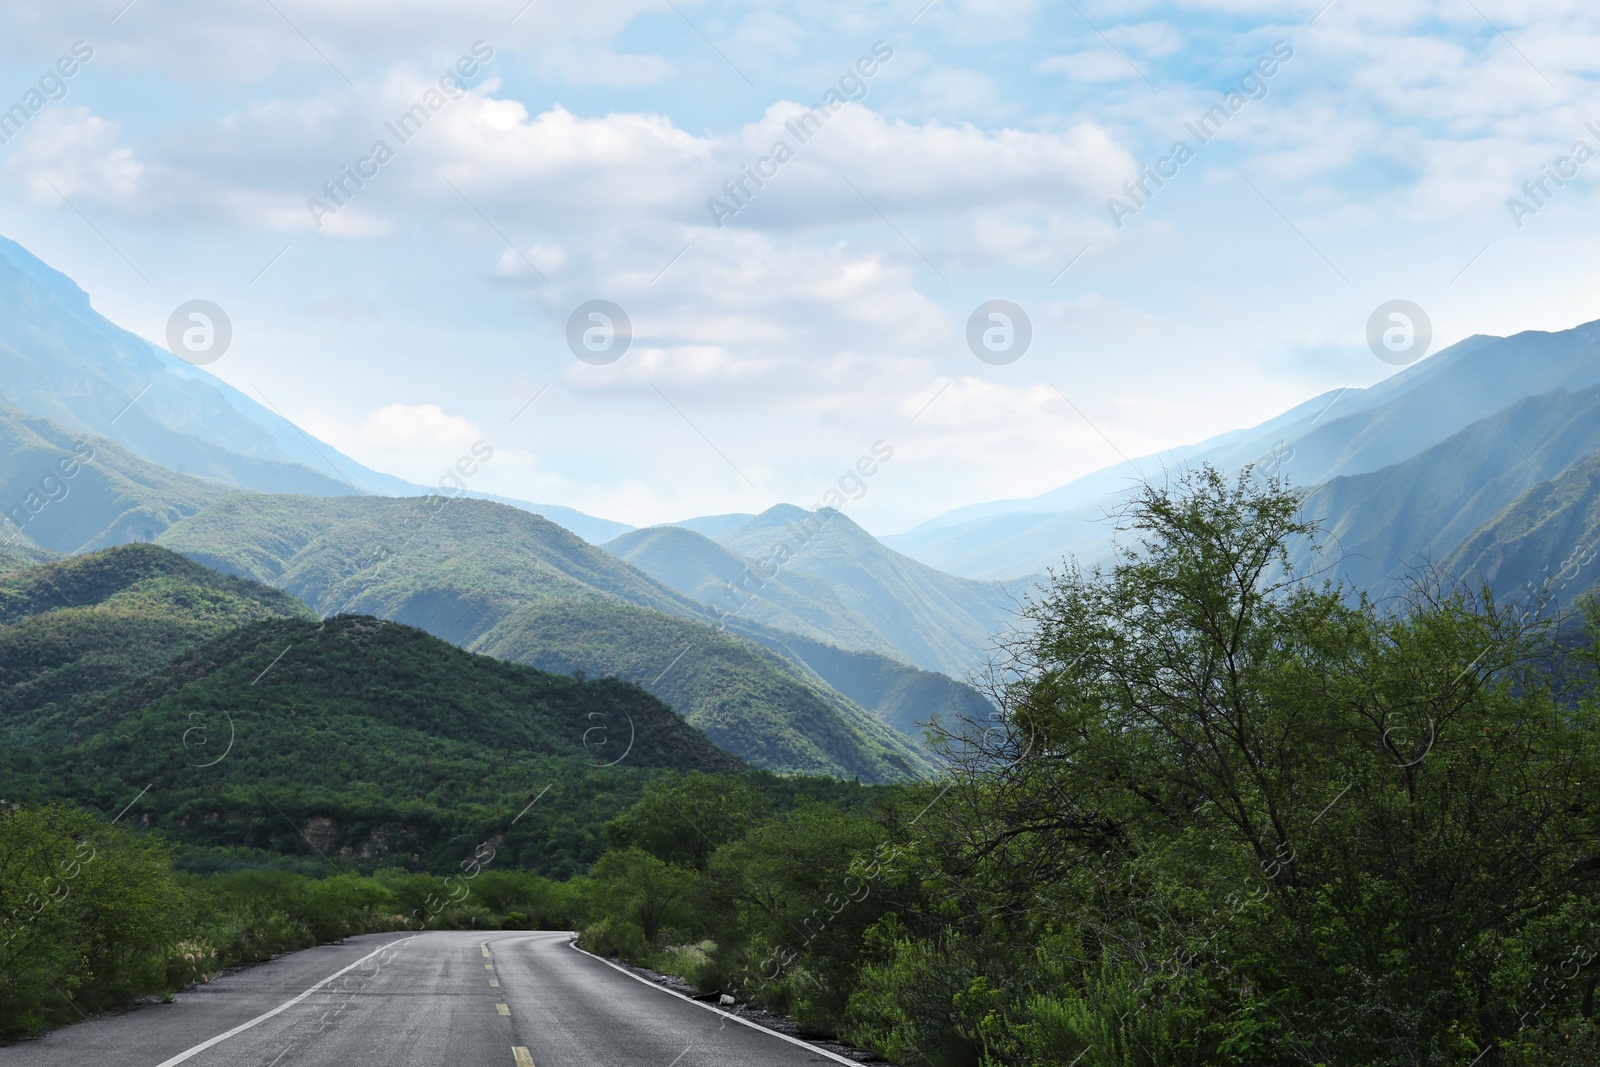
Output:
x=796 y=894
x=684 y=819
x=642 y=889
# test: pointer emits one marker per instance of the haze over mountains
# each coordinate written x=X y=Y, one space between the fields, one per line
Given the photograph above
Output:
x=63 y=361
x=1405 y=472
x=831 y=580
x=794 y=640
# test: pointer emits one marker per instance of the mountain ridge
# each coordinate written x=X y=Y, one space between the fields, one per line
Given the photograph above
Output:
x=1350 y=433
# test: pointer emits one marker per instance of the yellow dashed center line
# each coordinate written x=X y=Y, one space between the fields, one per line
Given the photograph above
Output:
x=488 y=966
x=503 y=1009
x=523 y=1057
x=494 y=983
x=485 y=951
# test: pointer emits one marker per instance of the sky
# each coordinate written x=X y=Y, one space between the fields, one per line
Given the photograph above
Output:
x=921 y=161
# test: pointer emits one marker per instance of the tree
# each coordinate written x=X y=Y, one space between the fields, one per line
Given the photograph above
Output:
x=87 y=911
x=643 y=889
x=684 y=819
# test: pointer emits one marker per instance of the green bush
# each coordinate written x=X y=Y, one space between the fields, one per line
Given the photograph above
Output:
x=88 y=916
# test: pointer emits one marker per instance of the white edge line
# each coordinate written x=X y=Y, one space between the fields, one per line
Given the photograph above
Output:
x=285 y=1006
x=713 y=1010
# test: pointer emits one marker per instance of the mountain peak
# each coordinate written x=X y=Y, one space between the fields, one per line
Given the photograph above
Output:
x=783 y=513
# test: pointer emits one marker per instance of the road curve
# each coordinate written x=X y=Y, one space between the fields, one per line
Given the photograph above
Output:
x=435 y=999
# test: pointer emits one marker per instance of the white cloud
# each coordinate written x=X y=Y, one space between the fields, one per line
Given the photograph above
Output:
x=555 y=170
x=405 y=426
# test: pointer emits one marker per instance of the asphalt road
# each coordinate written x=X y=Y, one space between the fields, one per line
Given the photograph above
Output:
x=440 y=999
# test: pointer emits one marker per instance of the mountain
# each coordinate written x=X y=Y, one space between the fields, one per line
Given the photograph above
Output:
x=725 y=581
x=1343 y=434
x=501 y=581
x=591 y=529
x=745 y=698
x=63 y=361
x=907 y=698
x=1416 y=513
x=76 y=630
x=799 y=616
x=1543 y=544
x=934 y=620
x=712 y=525
x=260 y=728
x=72 y=492
x=16 y=550
x=363 y=740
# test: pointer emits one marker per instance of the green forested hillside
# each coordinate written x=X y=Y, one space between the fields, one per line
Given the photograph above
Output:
x=498 y=580
x=360 y=737
x=907 y=698
x=744 y=698
x=70 y=632
x=455 y=559
x=136 y=667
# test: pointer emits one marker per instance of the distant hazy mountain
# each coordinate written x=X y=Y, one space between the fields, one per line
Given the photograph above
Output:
x=501 y=581
x=733 y=584
x=800 y=617
x=1545 y=544
x=712 y=525
x=69 y=491
x=1343 y=434
x=932 y=619
x=1416 y=513
x=62 y=360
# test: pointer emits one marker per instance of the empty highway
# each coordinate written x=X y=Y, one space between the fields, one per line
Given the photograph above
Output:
x=435 y=999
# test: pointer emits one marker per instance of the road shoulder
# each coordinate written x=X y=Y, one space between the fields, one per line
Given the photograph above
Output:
x=778 y=1026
